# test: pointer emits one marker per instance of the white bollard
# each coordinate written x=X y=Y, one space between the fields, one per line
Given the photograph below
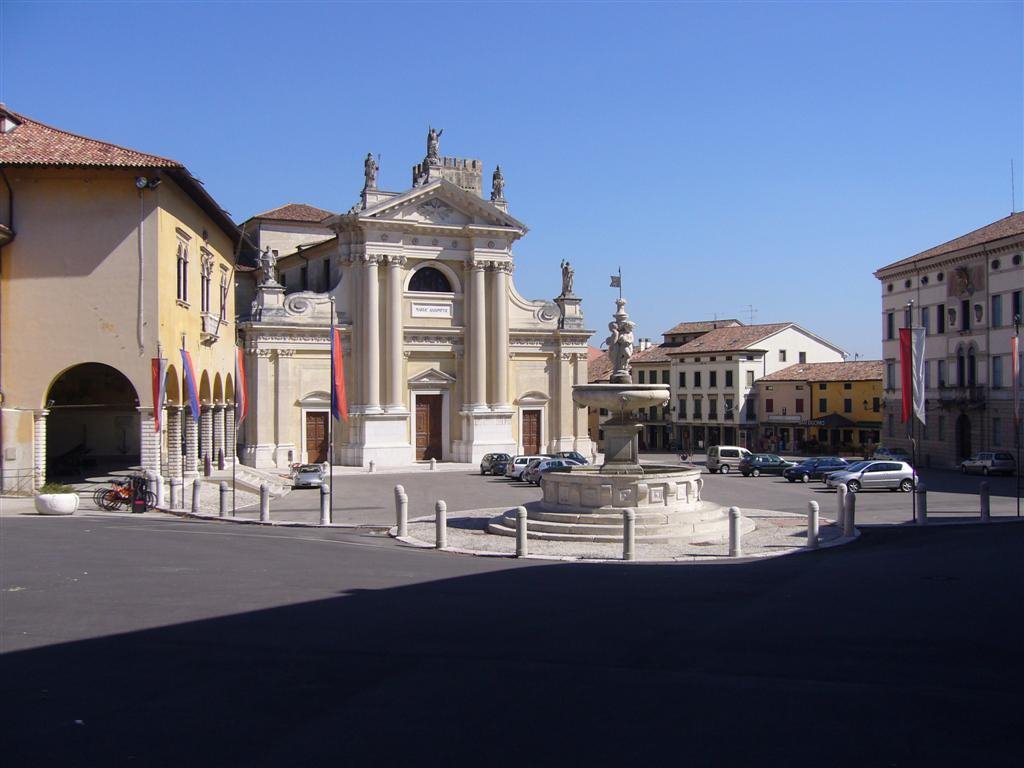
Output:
x=521 y=545
x=441 y=525
x=433 y=464
x=812 y=524
x=223 y=499
x=325 y=504
x=196 y=487
x=176 y=493
x=849 y=515
x=402 y=510
x=373 y=466
x=264 y=503
x=735 y=542
x=629 y=534
x=986 y=509
x=922 y=504
x=841 y=493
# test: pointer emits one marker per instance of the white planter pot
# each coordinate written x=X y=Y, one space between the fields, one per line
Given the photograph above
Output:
x=56 y=503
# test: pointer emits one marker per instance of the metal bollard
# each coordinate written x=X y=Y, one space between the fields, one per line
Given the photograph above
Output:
x=735 y=541
x=841 y=493
x=373 y=466
x=176 y=493
x=922 y=504
x=441 y=524
x=521 y=545
x=849 y=514
x=223 y=499
x=196 y=487
x=629 y=534
x=401 y=511
x=812 y=524
x=264 y=503
x=325 y=504
x=986 y=505
x=433 y=464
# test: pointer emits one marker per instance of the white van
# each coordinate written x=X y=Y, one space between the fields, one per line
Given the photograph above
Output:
x=515 y=468
x=723 y=458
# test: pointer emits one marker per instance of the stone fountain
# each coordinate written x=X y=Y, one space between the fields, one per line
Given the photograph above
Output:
x=587 y=503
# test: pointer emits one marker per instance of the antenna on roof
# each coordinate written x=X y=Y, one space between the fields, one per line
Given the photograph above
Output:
x=751 y=310
x=1013 y=190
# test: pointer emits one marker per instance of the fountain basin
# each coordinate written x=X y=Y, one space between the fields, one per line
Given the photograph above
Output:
x=620 y=398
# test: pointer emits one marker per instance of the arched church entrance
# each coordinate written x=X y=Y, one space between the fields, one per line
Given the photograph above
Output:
x=93 y=421
x=963 y=436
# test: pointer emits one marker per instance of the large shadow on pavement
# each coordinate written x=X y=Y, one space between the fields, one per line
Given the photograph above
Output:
x=901 y=650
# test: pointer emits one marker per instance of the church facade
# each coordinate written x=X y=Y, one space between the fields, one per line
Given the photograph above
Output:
x=443 y=358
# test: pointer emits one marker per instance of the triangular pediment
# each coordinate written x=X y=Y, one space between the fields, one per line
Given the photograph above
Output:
x=441 y=203
x=432 y=376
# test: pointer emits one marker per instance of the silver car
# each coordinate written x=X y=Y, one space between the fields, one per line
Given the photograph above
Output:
x=874 y=475
x=308 y=476
x=989 y=463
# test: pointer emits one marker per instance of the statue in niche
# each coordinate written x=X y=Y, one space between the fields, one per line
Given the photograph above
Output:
x=434 y=145
x=498 y=184
x=370 y=169
x=568 y=273
x=267 y=264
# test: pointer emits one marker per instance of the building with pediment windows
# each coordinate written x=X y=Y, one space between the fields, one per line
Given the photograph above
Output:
x=443 y=357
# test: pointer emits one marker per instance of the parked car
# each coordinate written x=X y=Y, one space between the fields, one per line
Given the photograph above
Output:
x=989 y=463
x=308 y=476
x=514 y=470
x=537 y=469
x=491 y=461
x=763 y=464
x=722 y=458
x=873 y=475
x=574 y=455
x=817 y=468
x=896 y=454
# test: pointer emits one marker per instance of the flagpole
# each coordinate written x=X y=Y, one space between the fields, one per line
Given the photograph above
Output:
x=330 y=426
x=1015 y=366
x=234 y=438
x=620 y=282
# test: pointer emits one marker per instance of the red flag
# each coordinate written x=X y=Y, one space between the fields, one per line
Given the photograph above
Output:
x=241 y=388
x=912 y=372
x=159 y=367
x=1015 y=377
x=339 y=401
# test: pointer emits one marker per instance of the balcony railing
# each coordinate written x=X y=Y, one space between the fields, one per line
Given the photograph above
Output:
x=953 y=396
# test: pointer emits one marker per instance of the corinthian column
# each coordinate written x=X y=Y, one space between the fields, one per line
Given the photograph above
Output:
x=371 y=333
x=395 y=378
x=477 y=337
x=499 y=335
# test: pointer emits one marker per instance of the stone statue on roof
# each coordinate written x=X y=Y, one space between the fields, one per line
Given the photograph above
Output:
x=434 y=145
x=568 y=273
x=370 y=169
x=267 y=263
x=497 y=185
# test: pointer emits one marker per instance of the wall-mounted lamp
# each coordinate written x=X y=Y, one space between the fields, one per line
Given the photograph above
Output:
x=141 y=183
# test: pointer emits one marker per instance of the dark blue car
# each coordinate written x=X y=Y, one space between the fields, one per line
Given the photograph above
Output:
x=814 y=469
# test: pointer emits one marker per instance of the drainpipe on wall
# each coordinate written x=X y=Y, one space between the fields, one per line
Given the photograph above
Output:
x=3 y=398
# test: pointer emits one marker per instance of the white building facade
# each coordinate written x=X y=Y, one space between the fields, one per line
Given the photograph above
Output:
x=965 y=293
x=443 y=358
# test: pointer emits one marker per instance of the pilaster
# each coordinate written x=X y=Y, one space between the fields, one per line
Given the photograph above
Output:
x=174 y=467
x=206 y=432
x=219 y=447
x=149 y=441
x=191 y=444
x=39 y=446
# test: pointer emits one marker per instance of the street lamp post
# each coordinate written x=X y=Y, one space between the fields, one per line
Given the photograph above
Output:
x=1015 y=365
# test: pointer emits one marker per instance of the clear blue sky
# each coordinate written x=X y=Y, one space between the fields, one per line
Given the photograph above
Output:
x=724 y=155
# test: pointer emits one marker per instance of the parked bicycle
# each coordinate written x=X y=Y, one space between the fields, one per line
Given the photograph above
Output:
x=123 y=494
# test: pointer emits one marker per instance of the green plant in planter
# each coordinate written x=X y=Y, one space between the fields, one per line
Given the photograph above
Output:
x=56 y=488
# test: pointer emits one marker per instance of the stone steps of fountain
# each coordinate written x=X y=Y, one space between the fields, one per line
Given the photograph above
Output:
x=657 y=516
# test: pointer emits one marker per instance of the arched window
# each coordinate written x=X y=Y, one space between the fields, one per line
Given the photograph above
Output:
x=972 y=368
x=961 y=372
x=430 y=280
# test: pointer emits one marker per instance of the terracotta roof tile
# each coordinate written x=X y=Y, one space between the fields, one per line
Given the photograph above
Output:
x=701 y=325
x=1007 y=227
x=599 y=365
x=653 y=354
x=855 y=370
x=33 y=143
x=730 y=339
x=295 y=212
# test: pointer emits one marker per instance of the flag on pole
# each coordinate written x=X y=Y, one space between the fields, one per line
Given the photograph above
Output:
x=241 y=388
x=616 y=281
x=912 y=372
x=159 y=367
x=190 y=384
x=339 y=402
x=1015 y=377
